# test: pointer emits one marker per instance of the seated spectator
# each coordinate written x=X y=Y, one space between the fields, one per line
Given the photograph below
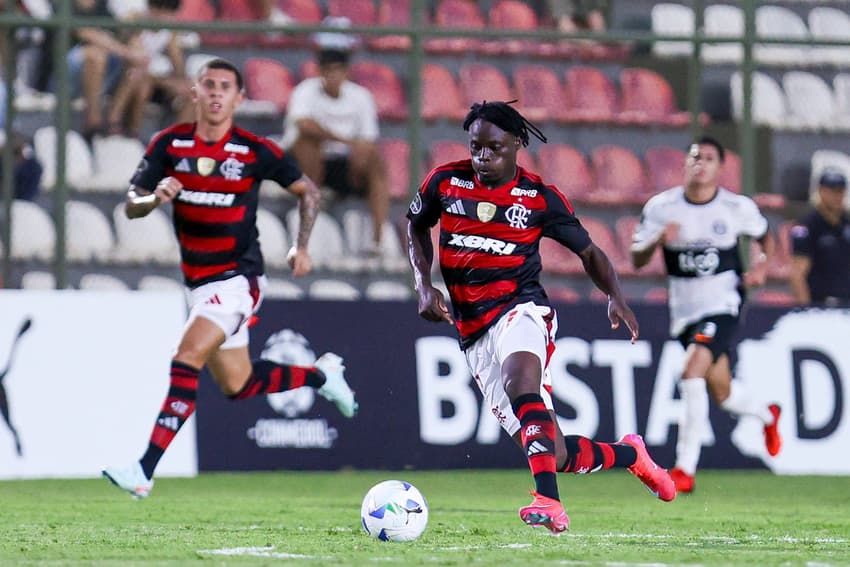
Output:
x=576 y=15
x=27 y=172
x=331 y=129
x=820 y=262
x=163 y=78
x=95 y=63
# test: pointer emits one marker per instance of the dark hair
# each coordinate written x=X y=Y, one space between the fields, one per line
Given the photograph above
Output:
x=709 y=141
x=169 y=5
x=328 y=56
x=506 y=117
x=218 y=63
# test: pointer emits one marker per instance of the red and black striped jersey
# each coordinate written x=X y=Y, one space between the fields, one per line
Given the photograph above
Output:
x=489 y=240
x=215 y=213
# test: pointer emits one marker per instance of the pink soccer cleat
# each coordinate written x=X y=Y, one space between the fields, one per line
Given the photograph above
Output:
x=656 y=479
x=684 y=482
x=546 y=512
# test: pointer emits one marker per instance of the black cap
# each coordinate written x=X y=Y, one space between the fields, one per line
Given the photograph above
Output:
x=833 y=178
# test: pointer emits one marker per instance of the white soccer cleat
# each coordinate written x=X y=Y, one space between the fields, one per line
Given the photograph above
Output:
x=336 y=389
x=132 y=479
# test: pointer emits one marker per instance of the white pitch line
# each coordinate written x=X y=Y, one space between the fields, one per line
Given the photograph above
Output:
x=267 y=551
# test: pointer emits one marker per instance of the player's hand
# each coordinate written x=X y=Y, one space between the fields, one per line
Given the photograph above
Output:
x=619 y=311
x=432 y=305
x=299 y=260
x=167 y=189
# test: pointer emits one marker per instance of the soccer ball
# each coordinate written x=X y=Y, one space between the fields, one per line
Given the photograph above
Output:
x=394 y=510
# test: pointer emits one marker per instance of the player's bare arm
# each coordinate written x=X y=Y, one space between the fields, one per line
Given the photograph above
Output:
x=756 y=274
x=420 y=252
x=601 y=271
x=308 y=209
x=140 y=202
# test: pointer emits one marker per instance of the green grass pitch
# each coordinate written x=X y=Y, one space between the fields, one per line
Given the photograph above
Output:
x=312 y=519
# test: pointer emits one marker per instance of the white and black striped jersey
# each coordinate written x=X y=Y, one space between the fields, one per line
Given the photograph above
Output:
x=703 y=263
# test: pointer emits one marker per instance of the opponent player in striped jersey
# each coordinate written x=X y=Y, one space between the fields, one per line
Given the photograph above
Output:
x=211 y=171
x=492 y=215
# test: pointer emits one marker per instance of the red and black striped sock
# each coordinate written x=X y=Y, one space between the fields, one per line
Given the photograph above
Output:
x=178 y=406
x=586 y=455
x=538 y=439
x=269 y=377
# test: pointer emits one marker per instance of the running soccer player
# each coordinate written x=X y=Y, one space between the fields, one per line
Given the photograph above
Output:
x=492 y=215
x=211 y=170
x=698 y=226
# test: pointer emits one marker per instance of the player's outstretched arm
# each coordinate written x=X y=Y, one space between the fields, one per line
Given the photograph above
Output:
x=140 y=202
x=601 y=271
x=308 y=209
x=420 y=252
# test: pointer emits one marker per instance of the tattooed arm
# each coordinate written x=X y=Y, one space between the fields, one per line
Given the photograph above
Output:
x=308 y=208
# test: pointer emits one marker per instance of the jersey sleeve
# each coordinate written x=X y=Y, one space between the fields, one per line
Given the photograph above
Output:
x=561 y=224
x=424 y=209
x=801 y=240
x=649 y=228
x=753 y=223
x=154 y=164
x=277 y=165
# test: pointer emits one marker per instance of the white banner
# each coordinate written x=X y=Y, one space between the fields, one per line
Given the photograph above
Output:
x=84 y=381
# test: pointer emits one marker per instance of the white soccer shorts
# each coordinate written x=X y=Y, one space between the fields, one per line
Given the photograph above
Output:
x=528 y=327
x=229 y=304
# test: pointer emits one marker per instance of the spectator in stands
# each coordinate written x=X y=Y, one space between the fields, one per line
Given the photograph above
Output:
x=331 y=128
x=27 y=172
x=575 y=15
x=820 y=262
x=492 y=215
x=698 y=225
x=162 y=78
x=95 y=63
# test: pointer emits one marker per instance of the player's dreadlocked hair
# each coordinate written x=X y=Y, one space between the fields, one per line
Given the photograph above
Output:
x=505 y=117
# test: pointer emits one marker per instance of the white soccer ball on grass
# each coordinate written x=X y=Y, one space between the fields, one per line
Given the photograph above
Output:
x=394 y=510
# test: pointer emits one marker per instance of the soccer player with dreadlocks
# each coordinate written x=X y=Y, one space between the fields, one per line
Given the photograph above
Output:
x=492 y=215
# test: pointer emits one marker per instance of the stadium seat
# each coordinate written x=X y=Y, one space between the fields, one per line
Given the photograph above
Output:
x=441 y=96
x=780 y=22
x=445 y=151
x=33 y=233
x=392 y=13
x=232 y=12
x=769 y=106
x=194 y=62
x=624 y=229
x=603 y=237
x=147 y=239
x=558 y=260
x=360 y=12
x=89 y=233
x=723 y=20
x=525 y=159
x=540 y=93
x=841 y=88
x=384 y=85
x=810 y=101
x=665 y=167
x=326 y=245
x=828 y=158
x=387 y=290
x=620 y=177
x=647 y=97
x=268 y=80
x=37 y=279
x=515 y=15
x=828 y=23
x=302 y=12
x=773 y=297
x=112 y=156
x=672 y=19
x=480 y=81
x=102 y=282
x=195 y=11
x=273 y=239
x=333 y=290
x=78 y=159
x=397 y=157
x=279 y=288
x=566 y=168
x=656 y=294
x=591 y=96
x=358 y=233
x=461 y=14
x=561 y=293
x=730 y=173
x=152 y=282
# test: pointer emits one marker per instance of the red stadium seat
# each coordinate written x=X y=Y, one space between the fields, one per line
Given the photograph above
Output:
x=560 y=293
x=397 y=157
x=440 y=95
x=479 y=82
x=455 y=14
x=384 y=85
x=647 y=97
x=309 y=68
x=620 y=177
x=392 y=13
x=730 y=174
x=566 y=168
x=515 y=15
x=624 y=228
x=556 y=259
x=303 y=12
x=665 y=167
x=360 y=12
x=602 y=236
x=232 y=12
x=591 y=96
x=267 y=79
x=540 y=93
x=195 y=11
x=445 y=151
x=525 y=159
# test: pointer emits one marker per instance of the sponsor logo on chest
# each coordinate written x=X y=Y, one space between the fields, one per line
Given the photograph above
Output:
x=462 y=183
x=204 y=198
x=482 y=243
